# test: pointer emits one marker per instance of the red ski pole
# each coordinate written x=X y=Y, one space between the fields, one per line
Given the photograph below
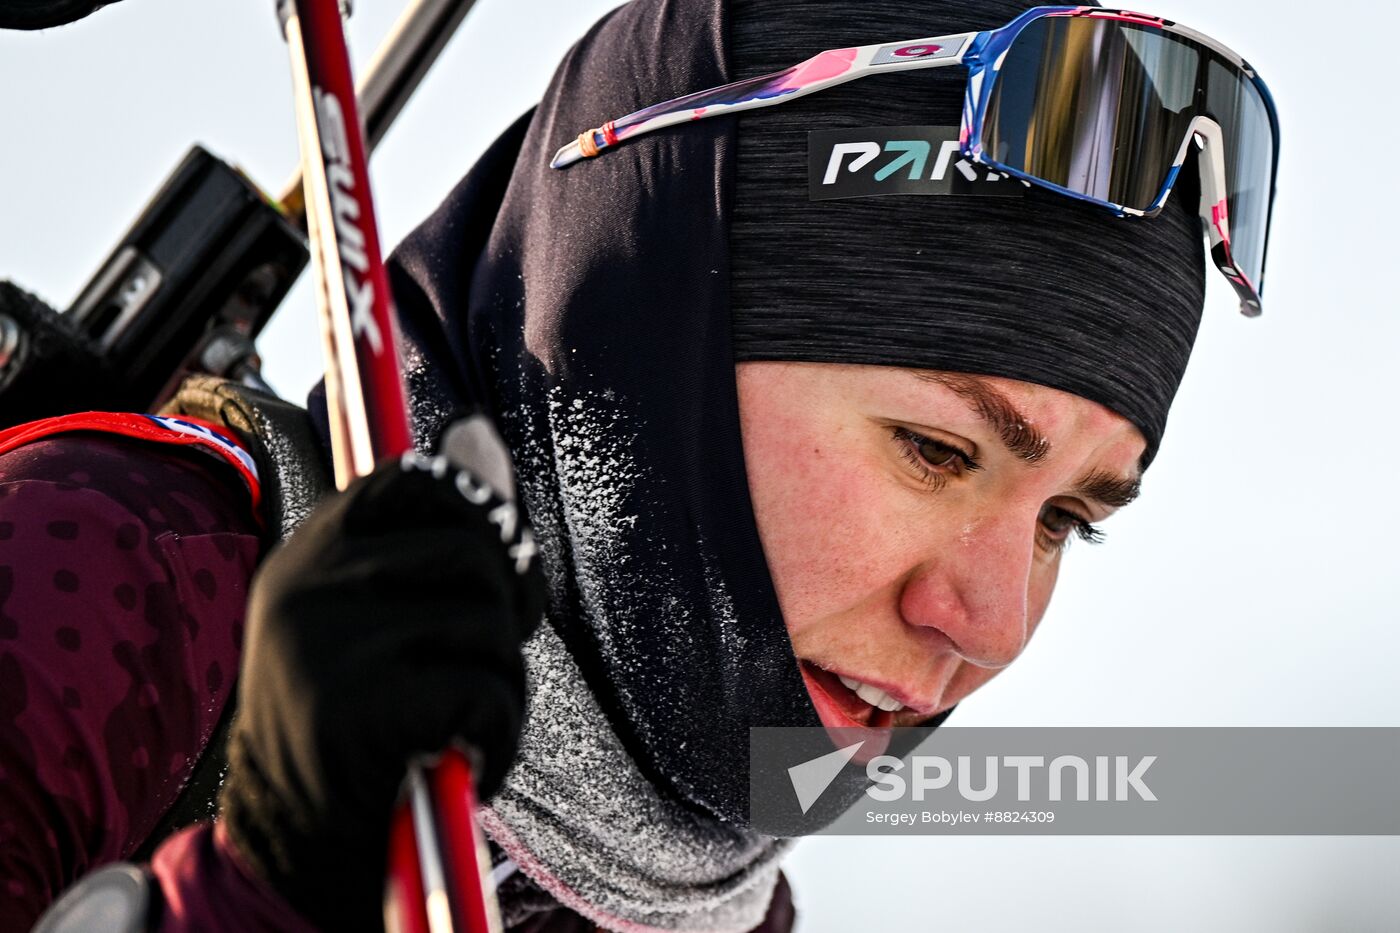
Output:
x=437 y=867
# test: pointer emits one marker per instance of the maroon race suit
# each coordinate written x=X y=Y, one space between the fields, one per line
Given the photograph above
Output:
x=126 y=547
x=127 y=543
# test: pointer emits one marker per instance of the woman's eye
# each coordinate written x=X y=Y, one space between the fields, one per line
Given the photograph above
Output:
x=1058 y=521
x=934 y=461
x=936 y=454
x=1057 y=525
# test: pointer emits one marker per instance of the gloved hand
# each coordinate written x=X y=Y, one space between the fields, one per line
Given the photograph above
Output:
x=388 y=625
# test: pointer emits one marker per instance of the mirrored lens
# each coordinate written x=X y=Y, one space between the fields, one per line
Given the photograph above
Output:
x=1102 y=108
x=1096 y=106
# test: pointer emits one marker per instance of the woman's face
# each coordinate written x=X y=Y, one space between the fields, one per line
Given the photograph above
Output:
x=914 y=521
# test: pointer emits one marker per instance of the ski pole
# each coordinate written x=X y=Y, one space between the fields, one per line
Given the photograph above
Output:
x=437 y=880
x=399 y=65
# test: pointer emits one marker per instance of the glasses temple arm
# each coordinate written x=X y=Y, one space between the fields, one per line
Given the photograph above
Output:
x=1214 y=209
x=824 y=70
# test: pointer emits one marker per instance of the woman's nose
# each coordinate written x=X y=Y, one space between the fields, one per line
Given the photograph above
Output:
x=975 y=590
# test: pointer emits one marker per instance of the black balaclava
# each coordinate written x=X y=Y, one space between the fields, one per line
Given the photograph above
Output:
x=590 y=311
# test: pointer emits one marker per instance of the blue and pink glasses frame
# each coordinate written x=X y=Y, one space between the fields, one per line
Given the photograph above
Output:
x=982 y=53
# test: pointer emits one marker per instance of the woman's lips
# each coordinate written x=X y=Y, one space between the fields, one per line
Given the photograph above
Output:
x=838 y=707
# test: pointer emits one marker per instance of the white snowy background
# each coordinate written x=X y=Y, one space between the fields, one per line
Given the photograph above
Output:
x=1254 y=584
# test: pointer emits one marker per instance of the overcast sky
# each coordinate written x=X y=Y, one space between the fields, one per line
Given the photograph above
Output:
x=1253 y=584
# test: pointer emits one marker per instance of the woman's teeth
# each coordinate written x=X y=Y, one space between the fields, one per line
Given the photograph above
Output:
x=872 y=695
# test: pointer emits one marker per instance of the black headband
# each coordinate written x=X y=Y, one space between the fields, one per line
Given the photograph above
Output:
x=1038 y=288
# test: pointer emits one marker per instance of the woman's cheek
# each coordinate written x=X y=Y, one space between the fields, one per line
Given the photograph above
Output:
x=832 y=544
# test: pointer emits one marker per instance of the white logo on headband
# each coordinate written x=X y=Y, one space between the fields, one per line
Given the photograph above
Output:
x=883 y=160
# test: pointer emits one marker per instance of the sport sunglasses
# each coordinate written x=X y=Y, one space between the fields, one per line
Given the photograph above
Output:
x=1100 y=105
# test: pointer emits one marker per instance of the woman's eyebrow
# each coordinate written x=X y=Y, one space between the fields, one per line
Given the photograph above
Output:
x=1109 y=489
x=1023 y=440
x=1014 y=429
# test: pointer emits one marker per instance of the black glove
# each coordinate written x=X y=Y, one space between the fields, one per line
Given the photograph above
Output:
x=41 y=14
x=388 y=625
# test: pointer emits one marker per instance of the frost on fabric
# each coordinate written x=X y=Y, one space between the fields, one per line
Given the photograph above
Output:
x=576 y=813
x=579 y=818
x=730 y=632
x=580 y=480
x=575 y=481
x=596 y=475
x=428 y=398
